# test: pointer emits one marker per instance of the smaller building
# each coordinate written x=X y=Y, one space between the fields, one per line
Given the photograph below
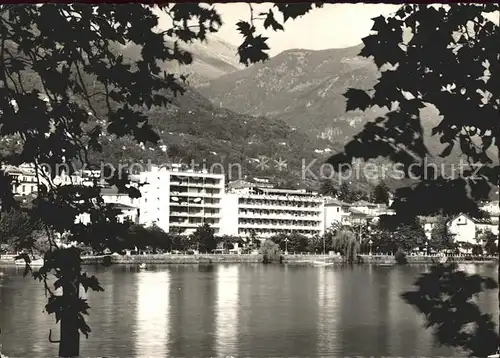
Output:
x=463 y=229
x=365 y=207
x=487 y=224
x=110 y=195
x=491 y=207
x=359 y=217
x=25 y=179
x=127 y=213
x=336 y=212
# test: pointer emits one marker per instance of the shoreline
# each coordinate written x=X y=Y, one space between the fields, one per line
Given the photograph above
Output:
x=319 y=260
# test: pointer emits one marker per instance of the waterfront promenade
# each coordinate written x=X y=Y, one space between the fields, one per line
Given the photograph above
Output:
x=165 y=259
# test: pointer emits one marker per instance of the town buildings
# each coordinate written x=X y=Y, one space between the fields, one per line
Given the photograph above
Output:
x=178 y=199
x=26 y=181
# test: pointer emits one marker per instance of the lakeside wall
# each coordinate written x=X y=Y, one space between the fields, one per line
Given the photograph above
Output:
x=232 y=258
x=290 y=259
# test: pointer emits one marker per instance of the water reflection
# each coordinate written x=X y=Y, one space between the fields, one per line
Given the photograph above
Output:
x=394 y=314
x=192 y=311
x=226 y=310
x=328 y=309
x=152 y=327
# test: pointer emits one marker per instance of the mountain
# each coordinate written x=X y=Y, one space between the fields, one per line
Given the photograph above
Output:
x=211 y=59
x=302 y=87
x=305 y=88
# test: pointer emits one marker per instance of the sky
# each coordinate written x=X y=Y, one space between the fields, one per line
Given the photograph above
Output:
x=333 y=26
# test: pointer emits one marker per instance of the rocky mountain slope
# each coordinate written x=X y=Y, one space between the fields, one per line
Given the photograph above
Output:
x=302 y=87
x=305 y=89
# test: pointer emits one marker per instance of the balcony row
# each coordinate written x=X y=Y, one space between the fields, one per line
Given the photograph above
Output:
x=199 y=193
x=192 y=224
x=279 y=226
x=279 y=215
x=195 y=205
x=186 y=214
x=272 y=232
x=195 y=184
x=276 y=206
x=310 y=199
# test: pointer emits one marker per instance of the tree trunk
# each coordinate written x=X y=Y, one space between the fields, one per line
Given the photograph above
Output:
x=497 y=140
x=69 y=345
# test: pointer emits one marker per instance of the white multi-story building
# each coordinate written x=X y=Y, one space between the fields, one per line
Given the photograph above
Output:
x=250 y=208
x=180 y=200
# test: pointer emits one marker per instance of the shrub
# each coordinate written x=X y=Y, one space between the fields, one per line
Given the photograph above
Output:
x=345 y=242
x=400 y=257
x=270 y=252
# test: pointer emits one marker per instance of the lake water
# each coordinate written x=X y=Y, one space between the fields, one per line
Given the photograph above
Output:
x=238 y=310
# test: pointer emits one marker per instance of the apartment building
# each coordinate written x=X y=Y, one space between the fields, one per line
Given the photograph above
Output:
x=179 y=199
x=253 y=208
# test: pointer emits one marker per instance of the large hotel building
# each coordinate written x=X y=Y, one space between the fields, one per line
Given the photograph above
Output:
x=180 y=200
x=266 y=211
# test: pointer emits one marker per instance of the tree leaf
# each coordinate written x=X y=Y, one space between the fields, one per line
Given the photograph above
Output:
x=357 y=99
x=292 y=11
x=271 y=21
